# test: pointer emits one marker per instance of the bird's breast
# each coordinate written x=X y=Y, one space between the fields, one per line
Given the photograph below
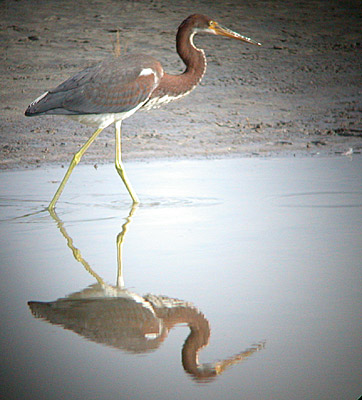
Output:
x=158 y=101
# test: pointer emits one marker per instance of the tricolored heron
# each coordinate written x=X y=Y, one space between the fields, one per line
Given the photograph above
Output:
x=115 y=89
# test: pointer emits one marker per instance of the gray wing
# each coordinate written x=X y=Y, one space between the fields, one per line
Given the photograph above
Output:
x=113 y=86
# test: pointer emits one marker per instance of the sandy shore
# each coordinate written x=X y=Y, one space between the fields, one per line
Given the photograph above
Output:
x=300 y=93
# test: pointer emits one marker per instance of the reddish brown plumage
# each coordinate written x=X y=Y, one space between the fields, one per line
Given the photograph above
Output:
x=193 y=58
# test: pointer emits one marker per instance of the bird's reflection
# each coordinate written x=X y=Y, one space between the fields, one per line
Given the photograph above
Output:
x=117 y=317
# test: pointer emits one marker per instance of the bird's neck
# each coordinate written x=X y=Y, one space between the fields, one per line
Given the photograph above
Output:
x=193 y=57
x=179 y=85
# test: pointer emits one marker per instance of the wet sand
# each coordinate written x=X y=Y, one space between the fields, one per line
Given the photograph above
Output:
x=300 y=93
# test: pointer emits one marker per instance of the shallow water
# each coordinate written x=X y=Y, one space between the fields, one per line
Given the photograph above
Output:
x=265 y=252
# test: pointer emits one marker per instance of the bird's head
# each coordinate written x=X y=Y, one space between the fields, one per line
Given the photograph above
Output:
x=202 y=23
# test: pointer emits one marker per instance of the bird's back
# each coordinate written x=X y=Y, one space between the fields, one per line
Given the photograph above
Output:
x=116 y=85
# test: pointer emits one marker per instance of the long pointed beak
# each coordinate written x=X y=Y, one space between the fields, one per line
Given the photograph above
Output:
x=220 y=30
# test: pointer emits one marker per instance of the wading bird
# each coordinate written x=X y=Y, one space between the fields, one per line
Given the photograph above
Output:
x=115 y=89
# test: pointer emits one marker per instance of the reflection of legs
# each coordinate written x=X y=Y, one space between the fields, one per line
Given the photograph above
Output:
x=120 y=238
x=76 y=158
x=119 y=164
x=76 y=252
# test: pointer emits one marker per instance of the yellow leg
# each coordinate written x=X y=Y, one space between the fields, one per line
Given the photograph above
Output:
x=76 y=158
x=119 y=164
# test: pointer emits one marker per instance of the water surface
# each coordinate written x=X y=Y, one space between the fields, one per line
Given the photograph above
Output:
x=259 y=259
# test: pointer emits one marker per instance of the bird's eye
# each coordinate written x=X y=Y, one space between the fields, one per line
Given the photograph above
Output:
x=212 y=24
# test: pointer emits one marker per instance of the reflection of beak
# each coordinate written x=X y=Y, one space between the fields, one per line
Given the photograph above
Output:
x=220 y=30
